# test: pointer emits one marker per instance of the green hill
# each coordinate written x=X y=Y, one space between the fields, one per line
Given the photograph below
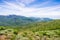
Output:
x=15 y=20
x=49 y=30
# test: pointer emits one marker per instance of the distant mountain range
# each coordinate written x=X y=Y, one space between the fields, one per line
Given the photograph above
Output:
x=15 y=20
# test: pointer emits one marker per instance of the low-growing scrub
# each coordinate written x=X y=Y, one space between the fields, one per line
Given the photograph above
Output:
x=34 y=31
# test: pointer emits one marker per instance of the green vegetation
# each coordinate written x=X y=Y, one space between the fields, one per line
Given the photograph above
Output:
x=49 y=30
x=15 y=20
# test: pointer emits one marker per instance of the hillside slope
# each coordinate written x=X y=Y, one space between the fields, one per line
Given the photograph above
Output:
x=15 y=20
x=36 y=31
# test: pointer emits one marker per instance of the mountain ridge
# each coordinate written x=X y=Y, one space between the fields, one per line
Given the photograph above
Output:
x=19 y=20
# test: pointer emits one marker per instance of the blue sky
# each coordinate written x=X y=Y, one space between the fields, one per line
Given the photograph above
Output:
x=31 y=8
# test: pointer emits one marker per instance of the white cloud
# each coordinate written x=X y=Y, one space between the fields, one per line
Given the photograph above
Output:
x=21 y=9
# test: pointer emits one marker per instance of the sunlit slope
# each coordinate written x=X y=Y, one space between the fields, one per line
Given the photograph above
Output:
x=50 y=25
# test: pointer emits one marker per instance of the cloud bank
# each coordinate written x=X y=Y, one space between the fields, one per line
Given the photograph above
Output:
x=31 y=8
